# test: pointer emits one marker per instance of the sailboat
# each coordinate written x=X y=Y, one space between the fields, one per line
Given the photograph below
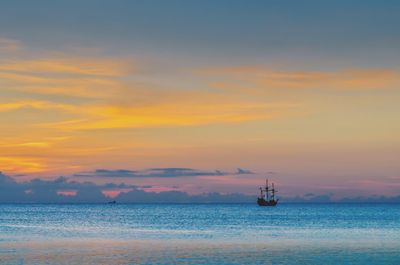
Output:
x=265 y=198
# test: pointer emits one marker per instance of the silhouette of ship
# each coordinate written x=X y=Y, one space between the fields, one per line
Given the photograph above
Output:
x=265 y=198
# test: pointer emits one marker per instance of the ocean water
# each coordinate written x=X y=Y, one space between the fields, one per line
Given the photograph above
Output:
x=199 y=234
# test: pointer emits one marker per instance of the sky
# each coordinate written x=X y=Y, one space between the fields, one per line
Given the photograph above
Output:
x=201 y=96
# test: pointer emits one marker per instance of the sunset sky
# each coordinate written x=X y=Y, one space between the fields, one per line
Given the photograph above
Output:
x=203 y=96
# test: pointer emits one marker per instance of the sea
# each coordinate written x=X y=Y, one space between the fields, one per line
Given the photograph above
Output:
x=199 y=234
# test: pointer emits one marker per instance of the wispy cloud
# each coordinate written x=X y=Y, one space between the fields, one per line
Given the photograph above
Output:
x=54 y=93
x=22 y=164
x=9 y=45
x=159 y=173
x=62 y=65
x=35 y=104
x=258 y=78
x=170 y=114
x=241 y=171
x=83 y=77
x=103 y=94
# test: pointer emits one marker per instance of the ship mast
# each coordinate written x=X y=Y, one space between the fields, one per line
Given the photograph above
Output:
x=273 y=192
x=267 y=195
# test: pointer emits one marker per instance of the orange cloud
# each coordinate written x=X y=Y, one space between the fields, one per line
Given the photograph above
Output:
x=32 y=104
x=75 y=97
x=195 y=108
x=75 y=77
x=34 y=144
x=259 y=78
x=63 y=65
x=112 y=100
x=174 y=113
x=22 y=164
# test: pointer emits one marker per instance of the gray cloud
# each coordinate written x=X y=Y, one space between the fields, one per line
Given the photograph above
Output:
x=241 y=171
x=48 y=191
x=108 y=173
x=171 y=172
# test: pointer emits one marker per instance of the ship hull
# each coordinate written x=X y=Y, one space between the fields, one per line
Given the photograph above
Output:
x=263 y=202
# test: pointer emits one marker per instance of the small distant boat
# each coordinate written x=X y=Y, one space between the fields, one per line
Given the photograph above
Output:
x=265 y=198
x=112 y=202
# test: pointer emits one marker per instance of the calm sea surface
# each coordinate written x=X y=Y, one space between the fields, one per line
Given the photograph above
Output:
x=199 y=234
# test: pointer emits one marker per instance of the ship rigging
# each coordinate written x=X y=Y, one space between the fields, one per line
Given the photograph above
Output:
x=265 y=198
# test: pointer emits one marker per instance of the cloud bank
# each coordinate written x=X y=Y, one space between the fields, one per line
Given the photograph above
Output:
x=63 y=190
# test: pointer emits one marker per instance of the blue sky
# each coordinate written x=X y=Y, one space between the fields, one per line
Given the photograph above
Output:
x=309 y=31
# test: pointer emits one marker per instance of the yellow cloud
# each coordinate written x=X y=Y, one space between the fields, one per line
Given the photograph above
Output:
x=116 y=102
x=35 y=104
x=172 y=114
x=194 y=108
x=34 y=144
x=21 y=164
x=78 y=97
x=184 y=109
x=64 y=65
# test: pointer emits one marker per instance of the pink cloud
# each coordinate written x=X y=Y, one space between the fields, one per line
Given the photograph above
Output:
x=114 y=192
x=67 y=192
x=158 y=189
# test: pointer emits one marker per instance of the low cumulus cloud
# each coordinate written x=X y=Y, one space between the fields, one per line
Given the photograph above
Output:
x=64 y=190
x=47 y=191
